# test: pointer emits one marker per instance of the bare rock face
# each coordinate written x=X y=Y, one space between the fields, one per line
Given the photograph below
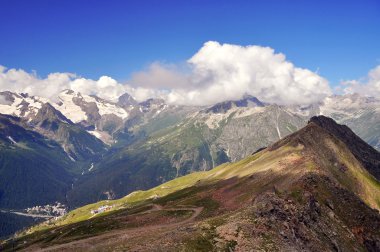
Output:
x=247 y=101
x=126 y=101
x=6 y=98
x=89 y=108
x=240 y=136
x=303 y=221
x=152 y=104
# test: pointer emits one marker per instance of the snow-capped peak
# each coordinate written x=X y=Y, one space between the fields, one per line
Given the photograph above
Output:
x=78 y=107
x=68 y=107
x=348 y=105
x=21 y=105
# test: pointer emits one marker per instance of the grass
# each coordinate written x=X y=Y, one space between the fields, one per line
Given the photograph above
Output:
x=201 y=242
x=356 y=178
x=131 y=200
x=297 y=195
x=180 y=187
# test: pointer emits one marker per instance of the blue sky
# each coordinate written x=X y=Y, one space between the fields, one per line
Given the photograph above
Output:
x=117 y=38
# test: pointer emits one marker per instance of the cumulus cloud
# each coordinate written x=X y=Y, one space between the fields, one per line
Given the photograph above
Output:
x=17 y=80
x=368 y=86
x=217 y=72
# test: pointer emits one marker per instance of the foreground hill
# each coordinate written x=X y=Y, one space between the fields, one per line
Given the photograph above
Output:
x=311 y=191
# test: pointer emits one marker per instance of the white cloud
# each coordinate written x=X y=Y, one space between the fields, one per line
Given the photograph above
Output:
x=105 y=87
x=368 y=86
x=49 y=87
x=221 y=72
x=217 y=72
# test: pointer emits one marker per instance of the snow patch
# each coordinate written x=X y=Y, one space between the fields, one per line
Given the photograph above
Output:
x=33 y=106
x=69 y=108
x=71 y=158
x=12 y=140
x=91 y=167
x=95 y=133
x=106 y=108
x=160 y=110
x=347 y=106
x=278 y=130
x=213 y=120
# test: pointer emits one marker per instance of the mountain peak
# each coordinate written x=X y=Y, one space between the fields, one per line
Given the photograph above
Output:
x=366 y=154
x=152 y=102
x=323 y=121
x=48 y=113
x=320 y=128
x=126 y=100
x=246 y=101
x=67 y=91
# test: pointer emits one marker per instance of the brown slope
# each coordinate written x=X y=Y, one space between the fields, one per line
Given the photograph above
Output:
x=366 y=154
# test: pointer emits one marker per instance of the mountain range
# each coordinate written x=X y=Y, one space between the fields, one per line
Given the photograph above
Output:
x=316 y=189
x=80 y=149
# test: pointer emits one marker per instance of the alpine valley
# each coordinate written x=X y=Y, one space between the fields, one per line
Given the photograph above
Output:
x=81 y=149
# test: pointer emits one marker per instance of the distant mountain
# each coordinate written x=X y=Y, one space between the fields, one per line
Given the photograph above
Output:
x=20 y=105
x=39 y=115
x=309 y=191
x=126 y=101
x=76 y=141
x=247 y=101
x=361 y=114
x=100 y=117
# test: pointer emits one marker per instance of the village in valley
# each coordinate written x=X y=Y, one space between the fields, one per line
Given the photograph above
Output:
x=57 y=210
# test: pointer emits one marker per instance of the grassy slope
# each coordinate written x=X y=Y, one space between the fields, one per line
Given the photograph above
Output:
x=260 y=162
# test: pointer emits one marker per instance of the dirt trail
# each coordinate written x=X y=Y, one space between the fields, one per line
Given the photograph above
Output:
x=113 y=236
